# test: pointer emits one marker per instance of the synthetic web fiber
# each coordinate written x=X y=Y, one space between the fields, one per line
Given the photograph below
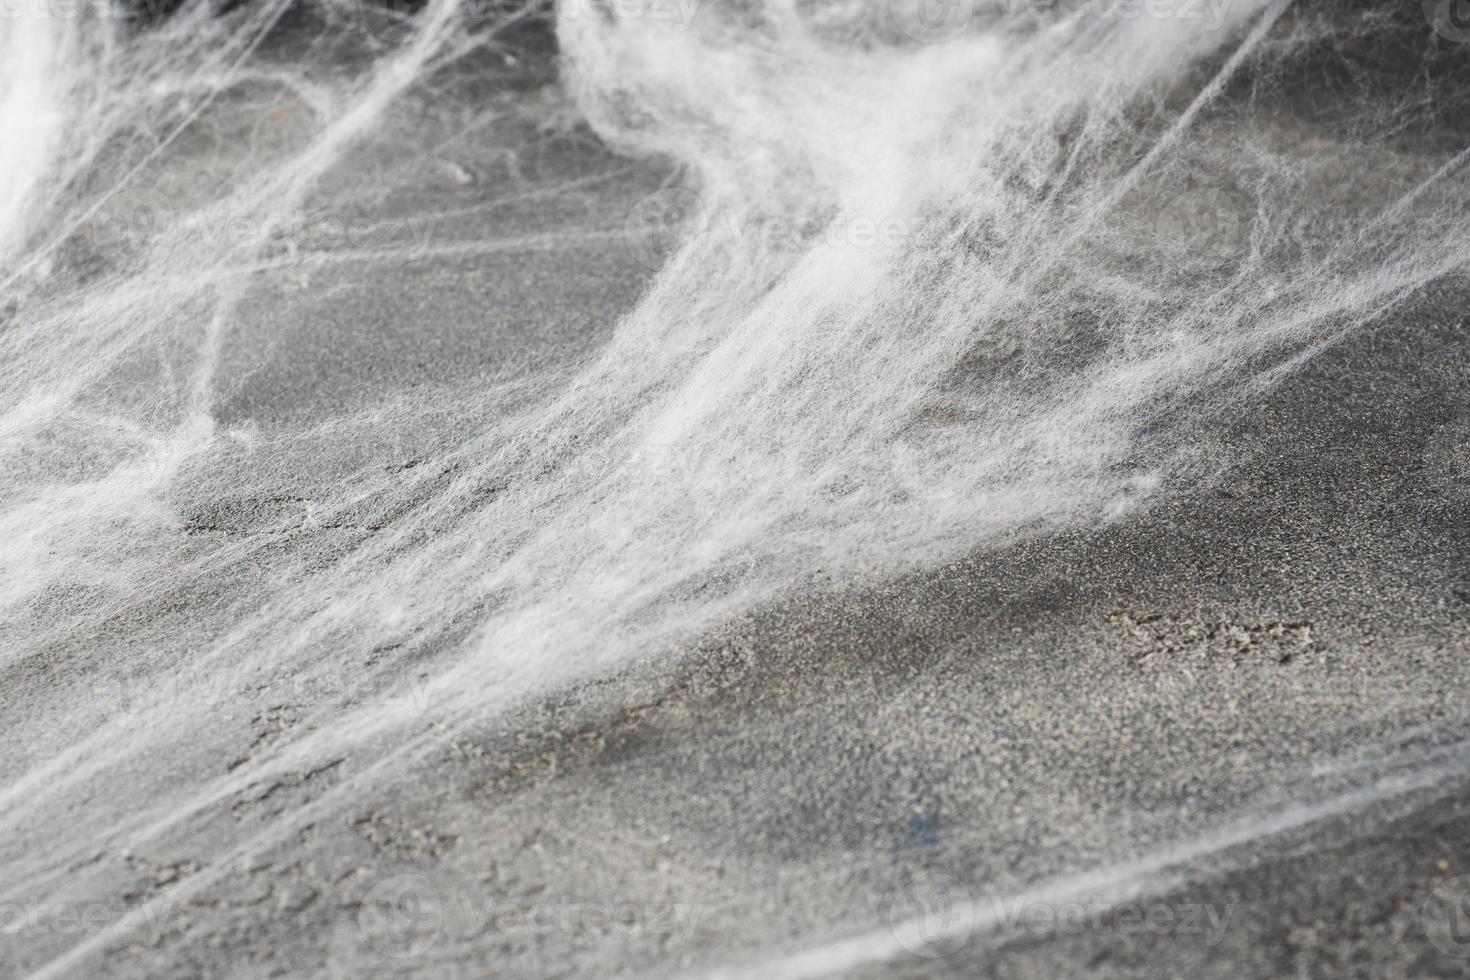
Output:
x=928 y=279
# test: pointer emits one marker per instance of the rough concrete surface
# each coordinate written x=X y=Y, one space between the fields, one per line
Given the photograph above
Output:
x=1225 y=737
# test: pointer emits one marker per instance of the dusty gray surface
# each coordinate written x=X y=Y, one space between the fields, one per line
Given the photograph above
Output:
x=1061 y=705
x=1294 y=635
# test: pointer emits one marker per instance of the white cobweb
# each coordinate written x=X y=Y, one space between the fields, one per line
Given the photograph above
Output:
x=913 y=299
